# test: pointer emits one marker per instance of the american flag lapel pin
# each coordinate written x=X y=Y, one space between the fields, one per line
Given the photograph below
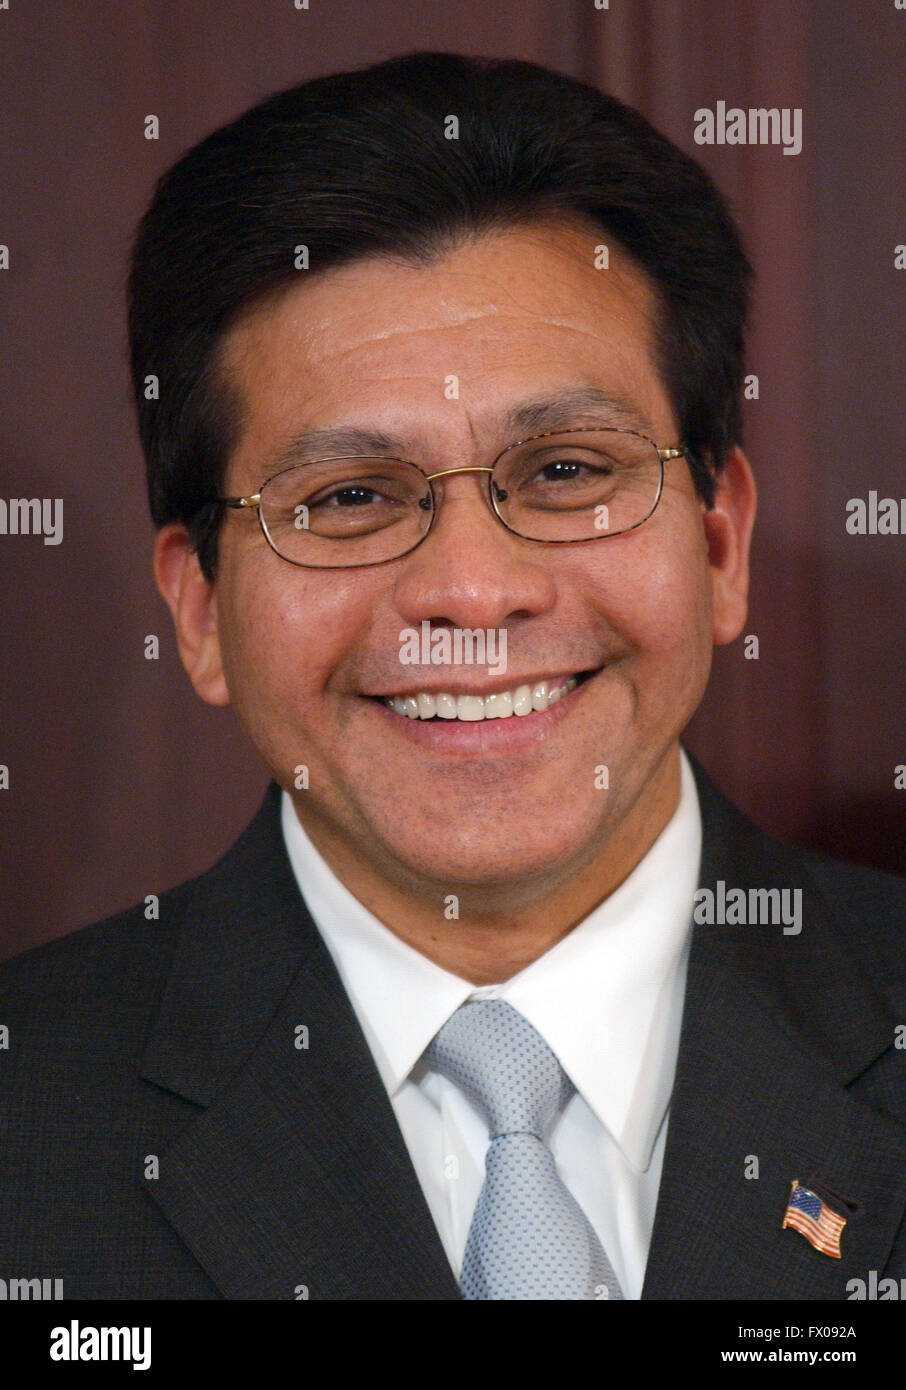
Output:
x=813 y=1218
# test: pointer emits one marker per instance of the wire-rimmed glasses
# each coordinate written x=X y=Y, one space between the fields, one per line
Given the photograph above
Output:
x=561 y=487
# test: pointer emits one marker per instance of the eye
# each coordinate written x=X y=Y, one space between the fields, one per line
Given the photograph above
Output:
x=347 y=497
x=561 y=477
x=553 y=474
x=347 y=494
x=568 y=470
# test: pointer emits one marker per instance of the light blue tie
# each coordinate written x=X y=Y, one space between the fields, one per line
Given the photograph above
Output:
x=529 y=1238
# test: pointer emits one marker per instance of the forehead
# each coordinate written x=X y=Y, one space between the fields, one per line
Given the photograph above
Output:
x=433 y=354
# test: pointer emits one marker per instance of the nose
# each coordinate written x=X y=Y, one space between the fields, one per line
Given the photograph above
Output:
x=470 y=571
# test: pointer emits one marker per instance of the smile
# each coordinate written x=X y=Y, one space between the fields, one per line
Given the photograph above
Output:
x=519 y=701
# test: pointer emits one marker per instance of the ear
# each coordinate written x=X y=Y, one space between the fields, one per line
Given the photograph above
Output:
x=728 y=531
x=192 y=602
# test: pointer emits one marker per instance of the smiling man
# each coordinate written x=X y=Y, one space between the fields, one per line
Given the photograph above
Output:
x=541 y=344
x=449 y=1020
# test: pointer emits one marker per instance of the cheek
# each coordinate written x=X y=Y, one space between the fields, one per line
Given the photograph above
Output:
x=680 y=603
x=657 y=595
x=680 y=608
x=283 y=635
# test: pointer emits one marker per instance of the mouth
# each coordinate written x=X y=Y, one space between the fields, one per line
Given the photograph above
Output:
x=516 y=702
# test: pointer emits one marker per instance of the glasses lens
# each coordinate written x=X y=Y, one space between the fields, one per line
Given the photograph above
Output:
x=346 y=511
x=574 y=487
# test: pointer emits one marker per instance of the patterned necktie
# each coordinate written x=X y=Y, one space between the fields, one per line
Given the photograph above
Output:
x=529 y=1238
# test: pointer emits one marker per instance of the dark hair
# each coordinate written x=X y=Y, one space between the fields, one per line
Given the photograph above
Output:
x=357 y=164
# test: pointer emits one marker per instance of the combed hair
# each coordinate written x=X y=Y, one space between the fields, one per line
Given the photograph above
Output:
x=357 y=164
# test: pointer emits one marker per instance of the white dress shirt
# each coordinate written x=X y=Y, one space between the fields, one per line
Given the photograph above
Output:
x=607 y=998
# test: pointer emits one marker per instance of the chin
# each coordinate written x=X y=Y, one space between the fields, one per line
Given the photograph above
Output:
x=478 y=860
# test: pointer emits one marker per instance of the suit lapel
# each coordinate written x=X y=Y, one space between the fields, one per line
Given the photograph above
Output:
x=295 y=1180
x=775 y=1028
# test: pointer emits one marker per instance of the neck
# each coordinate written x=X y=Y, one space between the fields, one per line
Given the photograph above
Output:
x=499 y=931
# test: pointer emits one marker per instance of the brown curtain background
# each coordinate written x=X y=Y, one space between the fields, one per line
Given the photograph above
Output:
x=121 y=782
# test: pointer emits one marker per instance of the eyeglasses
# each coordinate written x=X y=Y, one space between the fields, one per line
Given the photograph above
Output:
x=558 y=488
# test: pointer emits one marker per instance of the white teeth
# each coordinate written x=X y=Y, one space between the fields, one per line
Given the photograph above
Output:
x=539 y=695
x=498 y=706
x=522 y=700
x=525 y=699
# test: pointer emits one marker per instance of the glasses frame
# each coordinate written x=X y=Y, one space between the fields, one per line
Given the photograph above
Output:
x=253 y=500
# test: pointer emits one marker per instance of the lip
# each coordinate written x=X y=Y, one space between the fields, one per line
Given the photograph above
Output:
x=484 y=737
x=459 y=687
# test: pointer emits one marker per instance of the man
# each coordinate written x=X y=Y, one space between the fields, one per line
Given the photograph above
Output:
x=497 y=997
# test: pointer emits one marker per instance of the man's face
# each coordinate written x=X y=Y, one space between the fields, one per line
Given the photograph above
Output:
x=309 y=657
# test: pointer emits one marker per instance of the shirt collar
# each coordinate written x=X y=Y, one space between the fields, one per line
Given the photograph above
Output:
x=400 y=997
x=607 y=997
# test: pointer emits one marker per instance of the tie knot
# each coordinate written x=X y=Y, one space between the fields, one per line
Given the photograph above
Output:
x=492 y=1053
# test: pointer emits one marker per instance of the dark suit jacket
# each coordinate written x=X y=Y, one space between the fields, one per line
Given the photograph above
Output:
x=280 y=1166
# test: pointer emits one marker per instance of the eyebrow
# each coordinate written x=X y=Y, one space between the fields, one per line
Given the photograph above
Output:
x=575 y=405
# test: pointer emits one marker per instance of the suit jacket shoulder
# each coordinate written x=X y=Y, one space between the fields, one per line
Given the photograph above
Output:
x=790 y=1068
x=188 y=1107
